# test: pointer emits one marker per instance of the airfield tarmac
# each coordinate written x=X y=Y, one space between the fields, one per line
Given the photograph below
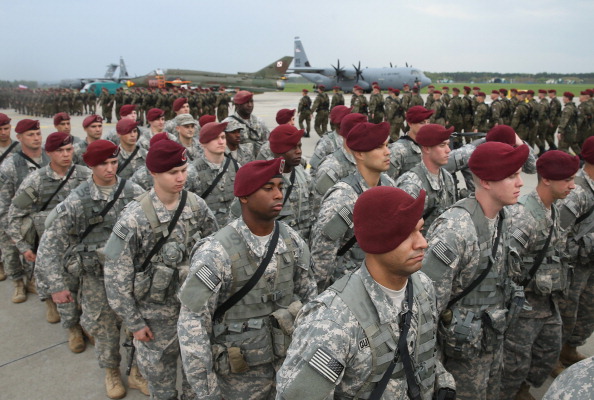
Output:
x=35 y=362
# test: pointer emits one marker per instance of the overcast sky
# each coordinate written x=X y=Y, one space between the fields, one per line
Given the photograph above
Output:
x=53 y=40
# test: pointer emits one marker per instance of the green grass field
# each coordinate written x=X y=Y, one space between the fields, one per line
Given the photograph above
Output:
x=485 y=87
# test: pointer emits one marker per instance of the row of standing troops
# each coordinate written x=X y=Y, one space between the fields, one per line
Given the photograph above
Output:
x=332 y=206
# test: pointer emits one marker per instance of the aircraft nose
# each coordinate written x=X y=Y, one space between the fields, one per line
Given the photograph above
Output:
x=425 y=81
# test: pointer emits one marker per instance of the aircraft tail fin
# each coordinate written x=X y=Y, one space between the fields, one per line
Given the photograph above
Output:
x=276 y=69
x=300 y=56
x=111 y=69
x=123 y=69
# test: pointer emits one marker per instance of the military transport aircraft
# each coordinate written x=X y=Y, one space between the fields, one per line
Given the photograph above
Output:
x=346 y=78
x=271 y=77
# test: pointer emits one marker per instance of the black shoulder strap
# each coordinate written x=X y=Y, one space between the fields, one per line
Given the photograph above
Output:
x=7 y=152
x=235 y=297
x=68 y=175
x=26 y=157
x=290 y=188
x=414 y=392
x=486 y=271
x=252 y=130
x=105 y=210
x=128 y=160
x=216 y=180
x=170 y=228
x=541 y=253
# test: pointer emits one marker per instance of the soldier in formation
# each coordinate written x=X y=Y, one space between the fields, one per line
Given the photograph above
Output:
x=321 y=107
x=304 y=111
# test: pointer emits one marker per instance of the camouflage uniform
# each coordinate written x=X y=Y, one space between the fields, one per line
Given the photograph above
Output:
x=106 y=101
x=252 y=131
x=195 y=150
x=321 y=107
x=243 y=155
x=439 y=114
x=222 y=105
x=496 y=113
x=219 y=265
x=455 y=113
x=79 y=149
x=481 y=118
x=304 y=111
x=544 y=123
x=395 y=116
x=533 y=343
x=265 y=153
x=329 y=327
x=134 y=164
x=568 y=129
x=440 y=189
x=468 y=113
x=334 y=228
x=328 y=144
x=376 y=108
x=405 y=153
x=521 y=120
x=157 y=306
x=574 y=384
x=460 y=245
x=533 y=123
x=3 y=151
x=359 y=104
x=584 y=121
x=577 y=307
x=12 y=173
x=334 y=167
x=337 y=100
x=145 y=136
x=555 y=117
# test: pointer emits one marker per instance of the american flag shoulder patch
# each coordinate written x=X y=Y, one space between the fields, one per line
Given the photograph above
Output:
x=208 y=277
x=326 y=365
x=60 y=208
x=520 y=237
x=347 y=216
x=444 y=253
x=120 y=231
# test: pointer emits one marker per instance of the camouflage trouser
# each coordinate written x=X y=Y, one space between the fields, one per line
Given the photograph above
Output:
x=305 y=116
x=577 y=309
x=321 y=122
x=157 y=360
x=530 y=351
x=550 y=135
x=107 y=113
x=395 y=128
x=569 y=140
x=533 y=135
x=583 y=133
x=377 y=118
x=69 y=312
x=100 y=321
x=478 y=378
x=523 y=132
x=543 y=129
x=258 y=383
x=222 y=113
x=13 y=266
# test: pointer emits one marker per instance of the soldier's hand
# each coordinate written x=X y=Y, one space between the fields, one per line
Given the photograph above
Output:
x=144 y=335
x=62 y=297
x=29 y=256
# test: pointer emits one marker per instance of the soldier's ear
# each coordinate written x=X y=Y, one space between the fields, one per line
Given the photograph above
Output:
x=243 y=200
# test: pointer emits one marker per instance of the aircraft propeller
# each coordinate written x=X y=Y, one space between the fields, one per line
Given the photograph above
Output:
x=358 y=72
x=339 y=71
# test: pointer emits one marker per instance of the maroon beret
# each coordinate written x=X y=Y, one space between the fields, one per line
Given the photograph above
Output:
x=56 y=140
x=211 y=131
x=406 y=85
x=157 y=137
x=542 y=91
x=25 y=125
x=99 y=151
x=91 y=119
x=284 y=137
x=255 y=174
x=530 y=92
x=321 y=87
x=437 y=92
x=336 y=87
x=481 y=94
x=502 y=134
x=467 y=88
x=338 y=113
x=584 y=93
x=165 y=155
x=125 y=126
x=417 y=114
x=390 y=89
x=284 y=115
x=415 y=89
x=504 y=91
x=384 y=217
x=179 y=103
x=456 y=90
x=514 y=90
x=557 y=165
x=154 y=114
x=4 y=120
x=590 y=92
x=242 y=97
x=357 y=87
x=552 y=91
x=433 y=134
x=367 y=136
x=205 y=119
x=569 y=95
x=495 y=161
x=521 y=92
x=127 y=109
x=431 y=87
x=61 y=116
x=349 y=121
x=588 y=150
x=494 y=91
x=305 y=91
x=397 y=91
x=445 y=88
x=476 y=88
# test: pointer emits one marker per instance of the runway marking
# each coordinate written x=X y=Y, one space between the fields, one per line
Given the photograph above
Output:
x=32 y=354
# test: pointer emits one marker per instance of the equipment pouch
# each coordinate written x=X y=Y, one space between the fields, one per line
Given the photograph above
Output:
x=494 y=325
x=220 y=359
x=162 y=276
x=282 y=328
x=73 y=263
x=462 y=337
x=516 y=304
x=142 y=284
x=237 y=363
x=255 y=345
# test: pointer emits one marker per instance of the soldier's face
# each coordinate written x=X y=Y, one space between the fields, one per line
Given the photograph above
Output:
x=265 y=203
x=292 y=121
x=405 y=259
x=217 y=145
x=62 y=157
x=414 y=127
x=133 y=116
x=439 y=154
x=63 y=126
x=95 y=130
x=30 y=139
x=158 y=124
x=131 y=138
x=561 y=189
x=376 y=160
x=507 y=191
x=245 y=108
x=186 y=131
x=293 y=156
x=172 y=181
x=104 y=174
x=5 y=132
x=551 y=95
x=185 y=109
x=234 y=137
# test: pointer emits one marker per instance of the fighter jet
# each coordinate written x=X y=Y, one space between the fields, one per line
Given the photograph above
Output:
x=271 y=77
x=346 y=78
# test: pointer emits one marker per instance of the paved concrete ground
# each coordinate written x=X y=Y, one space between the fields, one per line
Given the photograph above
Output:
x=35 y=362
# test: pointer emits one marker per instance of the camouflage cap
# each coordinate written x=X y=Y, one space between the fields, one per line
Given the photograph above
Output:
x=234 y=125
x=185 y=119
